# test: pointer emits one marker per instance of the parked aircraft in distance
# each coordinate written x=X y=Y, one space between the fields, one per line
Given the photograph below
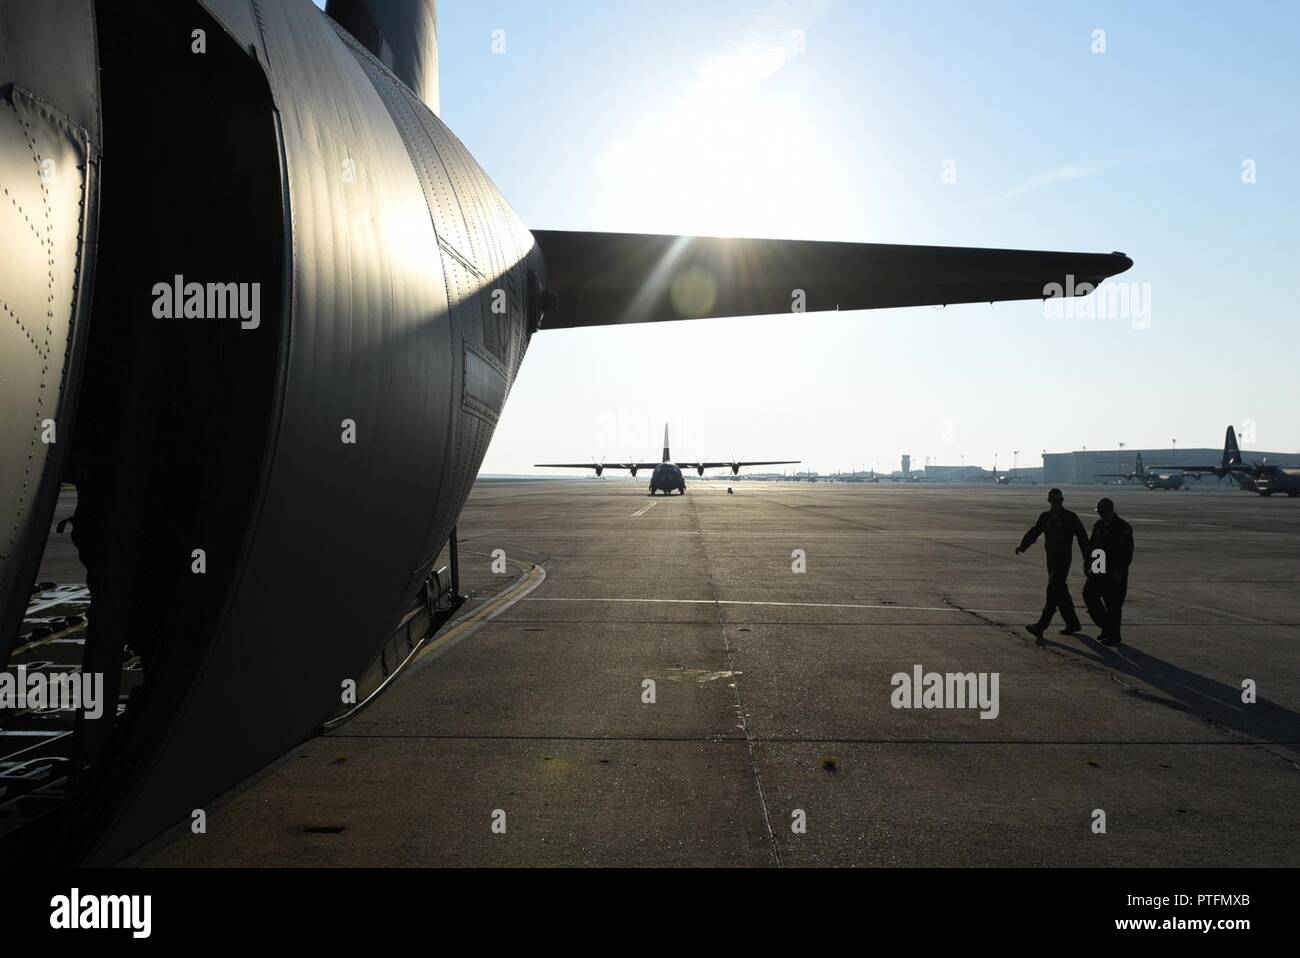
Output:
x=1148 y=478
x=1258 y=477
x=666 y=475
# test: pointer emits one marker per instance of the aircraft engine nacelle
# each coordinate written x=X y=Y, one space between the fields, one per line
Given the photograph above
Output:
x=600 y=471
x=700 y=470
x=735 y=468
x=633 y=472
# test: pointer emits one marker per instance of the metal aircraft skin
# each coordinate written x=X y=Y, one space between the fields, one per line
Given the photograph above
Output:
x=1148 y=477
x=1269 y=479
x=1257 y=477
x=264 y=311
x=666 y=475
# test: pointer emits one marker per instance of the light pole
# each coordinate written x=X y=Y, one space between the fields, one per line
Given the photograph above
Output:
x=1015 y=458
x=1175 y=459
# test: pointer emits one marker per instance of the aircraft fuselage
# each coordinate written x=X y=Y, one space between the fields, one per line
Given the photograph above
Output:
x=1271 y=479
x=311 y=368
x=667 y=478
x=1155 y=480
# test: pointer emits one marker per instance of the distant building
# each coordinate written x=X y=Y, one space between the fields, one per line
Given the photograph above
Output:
x=1083 y=466
x=936 y=473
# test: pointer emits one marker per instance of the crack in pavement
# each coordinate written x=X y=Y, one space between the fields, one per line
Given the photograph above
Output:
x=740 y=700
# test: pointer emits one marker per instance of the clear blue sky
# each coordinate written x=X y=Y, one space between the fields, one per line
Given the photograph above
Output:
x=834 y=120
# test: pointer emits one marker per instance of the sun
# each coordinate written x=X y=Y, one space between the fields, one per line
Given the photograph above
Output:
x=736 y=153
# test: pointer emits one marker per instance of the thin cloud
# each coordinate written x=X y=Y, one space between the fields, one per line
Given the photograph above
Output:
x=1059 y=174
x=1150 y=157
x=703 y=112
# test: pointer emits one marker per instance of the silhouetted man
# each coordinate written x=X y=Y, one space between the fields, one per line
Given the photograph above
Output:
x=1060 y=526
x=1111 y=550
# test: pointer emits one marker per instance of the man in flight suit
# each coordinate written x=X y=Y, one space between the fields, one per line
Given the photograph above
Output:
x=1111 y=549
x=1059 y=525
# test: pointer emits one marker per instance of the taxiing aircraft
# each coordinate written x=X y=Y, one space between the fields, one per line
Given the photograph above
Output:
x=666 y=475
x=264 y=309
x=1005 y=478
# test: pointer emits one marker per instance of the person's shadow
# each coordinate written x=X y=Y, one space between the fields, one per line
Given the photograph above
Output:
x=1190 y=692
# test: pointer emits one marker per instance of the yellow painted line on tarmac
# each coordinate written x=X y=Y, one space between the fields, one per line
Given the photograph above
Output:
x=460 y=629
x=471 y=623
x=37 y=643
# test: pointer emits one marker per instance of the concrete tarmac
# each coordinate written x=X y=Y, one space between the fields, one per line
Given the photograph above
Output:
x=772 y=692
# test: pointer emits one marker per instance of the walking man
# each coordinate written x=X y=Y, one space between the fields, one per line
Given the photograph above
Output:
x=1061 y=528
x=1111 y=550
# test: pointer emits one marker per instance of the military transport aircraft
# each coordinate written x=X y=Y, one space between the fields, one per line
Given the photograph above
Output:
x=1148 y=477
x=666 y=475
x=1005 y=478
x=263 y=309
x=1267 y=479
x=1258 y=477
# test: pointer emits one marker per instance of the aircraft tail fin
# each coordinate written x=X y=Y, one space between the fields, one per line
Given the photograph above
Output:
x=666 y=457
x=402 y=34
x=1141 y=470
x=1231 y=451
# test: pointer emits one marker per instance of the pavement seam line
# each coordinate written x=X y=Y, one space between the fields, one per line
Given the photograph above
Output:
x=740 y=699
x=780 y=740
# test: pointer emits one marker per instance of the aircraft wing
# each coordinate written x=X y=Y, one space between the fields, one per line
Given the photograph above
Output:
x=594 y=465
x=1195 y=470
x=604 y=279
x=728 y=465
